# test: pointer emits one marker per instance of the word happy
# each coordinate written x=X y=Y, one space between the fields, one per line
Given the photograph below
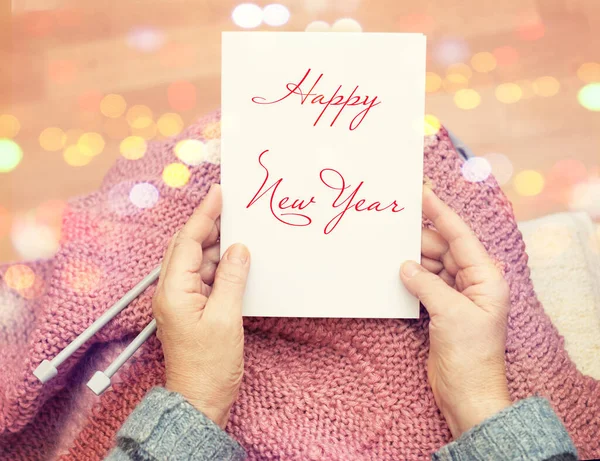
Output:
x=313 y=97
x=291 y=211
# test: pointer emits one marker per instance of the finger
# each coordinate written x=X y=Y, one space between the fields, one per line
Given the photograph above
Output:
x=214 y=234
x=186 y=257
x=210 y=260
x=203 y=221
x=230 y=283
x=447 y=277
x=433 y=245
x=166 y=258
x=432 y=265
x=431 y=290
x=465 y=247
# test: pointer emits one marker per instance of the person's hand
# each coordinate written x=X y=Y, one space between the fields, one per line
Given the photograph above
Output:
x=468 y=302
x=200 y=327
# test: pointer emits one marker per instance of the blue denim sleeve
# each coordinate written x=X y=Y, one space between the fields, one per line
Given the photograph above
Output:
x=165 y=426
x=527 y=430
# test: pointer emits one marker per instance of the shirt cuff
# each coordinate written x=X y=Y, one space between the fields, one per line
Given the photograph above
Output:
x=528 y=430
x=165 y=426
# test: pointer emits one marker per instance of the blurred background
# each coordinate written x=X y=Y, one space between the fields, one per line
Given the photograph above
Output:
x=82 y=83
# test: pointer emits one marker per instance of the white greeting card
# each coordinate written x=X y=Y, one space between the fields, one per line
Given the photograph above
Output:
x=322 y=166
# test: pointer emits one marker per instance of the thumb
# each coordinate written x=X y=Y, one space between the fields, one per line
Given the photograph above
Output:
x=432 y=291
x=230 y=282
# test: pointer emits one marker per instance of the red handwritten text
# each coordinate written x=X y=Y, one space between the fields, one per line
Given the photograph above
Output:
x=281 y=206
x=336 y=100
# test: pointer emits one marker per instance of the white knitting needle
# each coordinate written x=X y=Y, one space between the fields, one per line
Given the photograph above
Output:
x=101 y=379
x=48 y=368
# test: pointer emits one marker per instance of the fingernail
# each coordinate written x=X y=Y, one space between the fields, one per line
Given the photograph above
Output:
x=238 y=254
x=410 y=269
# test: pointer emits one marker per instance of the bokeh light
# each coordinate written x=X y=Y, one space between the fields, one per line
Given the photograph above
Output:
x=506 y=56
x=586 y=197
x=467 y=99
x=148 y=132
x=139 y=116
x=433 y=82
x=460 y=69
x=451 y=50
x=90 y=144
x=508 y=93
x=144 y=195
x=315 y=6
x=247 y=15
x=276 y=14
x=476 y=169
x=528 y=183
x=19 y=277
x=133 y=147
x=455 y=82
x=145 y=39
x=190 y=151
x=176 y=175
x=10 y=155
x=213 y=151
x=212 y=130
x=562 y=177
x=170 y=124
x=546 y=86
x=432 y=125
x=483 y=62
x=89 y=101
x=51 y=213
x=502 y=168
x=589 y=96
x=181 y=95
x=113 y=105
x=9 y=126
x=74 y=157
x=72 y=136
x=589 y=72
x=317 y=26
x=52 y=139
x=346 y=25
x=119 y=201
x=33 y=238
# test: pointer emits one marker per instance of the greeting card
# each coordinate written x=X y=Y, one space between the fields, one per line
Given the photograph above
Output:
x=322 y=166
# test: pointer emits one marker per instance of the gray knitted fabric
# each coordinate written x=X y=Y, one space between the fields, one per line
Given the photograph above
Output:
x=165 y=427
x=527 y=430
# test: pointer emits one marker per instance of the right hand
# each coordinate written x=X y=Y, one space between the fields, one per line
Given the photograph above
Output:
x=198 y=309
x=468 y=302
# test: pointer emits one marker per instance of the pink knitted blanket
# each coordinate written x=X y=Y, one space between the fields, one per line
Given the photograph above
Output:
x=319 y=389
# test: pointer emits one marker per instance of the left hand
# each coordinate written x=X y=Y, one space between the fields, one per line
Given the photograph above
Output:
x=468 y=302
x=200 y=327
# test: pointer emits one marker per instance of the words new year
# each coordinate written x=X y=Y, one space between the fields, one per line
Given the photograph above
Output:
x=297 y=211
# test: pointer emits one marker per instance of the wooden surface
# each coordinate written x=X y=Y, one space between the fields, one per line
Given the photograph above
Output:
x=55 y=54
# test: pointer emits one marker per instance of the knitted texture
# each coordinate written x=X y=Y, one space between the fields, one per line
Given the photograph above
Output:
x=317 y=389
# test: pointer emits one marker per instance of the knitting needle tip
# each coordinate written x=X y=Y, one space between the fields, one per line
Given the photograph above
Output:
x=45 y=371
x=99 y=383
